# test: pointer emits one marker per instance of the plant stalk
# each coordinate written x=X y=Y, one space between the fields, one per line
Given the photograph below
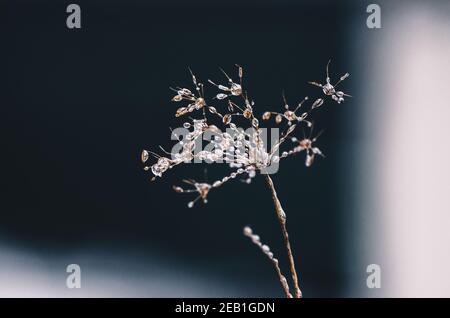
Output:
x=282 y=219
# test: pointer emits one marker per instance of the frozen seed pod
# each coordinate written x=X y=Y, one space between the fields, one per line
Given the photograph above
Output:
x=290 y=115
x=247 y=113
x=199 y=103
x=236 y=89
x=226 y=119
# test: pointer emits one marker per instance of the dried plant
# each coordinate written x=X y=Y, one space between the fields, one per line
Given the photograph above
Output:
x=246 y=152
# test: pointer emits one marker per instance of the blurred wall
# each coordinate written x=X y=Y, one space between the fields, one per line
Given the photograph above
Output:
x=402 y=179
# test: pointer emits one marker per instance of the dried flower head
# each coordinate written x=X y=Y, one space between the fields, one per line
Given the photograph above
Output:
x=244 y=149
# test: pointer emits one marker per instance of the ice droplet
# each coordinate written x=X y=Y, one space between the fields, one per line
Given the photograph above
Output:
x=291 y=129
x=177 y=98
x=190 y=204
x=248 y=231
x=177 y=189
x=221 y=96
x=278 y=119
x=184 y=91
x=266 y=116
x=317 y=103
x=343 y=77
x=144 y=156
x=180 y=111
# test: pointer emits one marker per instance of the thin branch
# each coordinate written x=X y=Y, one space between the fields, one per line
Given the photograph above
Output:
x=282 y=219
x=266 y=250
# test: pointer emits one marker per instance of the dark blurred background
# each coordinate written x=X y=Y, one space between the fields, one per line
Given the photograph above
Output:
x=78 y=106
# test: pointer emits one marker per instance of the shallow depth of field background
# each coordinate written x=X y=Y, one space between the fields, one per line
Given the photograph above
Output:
x=78 y=106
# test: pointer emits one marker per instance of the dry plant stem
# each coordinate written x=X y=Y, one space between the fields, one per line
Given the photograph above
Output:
x=283 y=280
x=266 y=250
x=282 y=219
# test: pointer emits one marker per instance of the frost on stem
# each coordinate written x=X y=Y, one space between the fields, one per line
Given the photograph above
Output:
x=266 y=250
